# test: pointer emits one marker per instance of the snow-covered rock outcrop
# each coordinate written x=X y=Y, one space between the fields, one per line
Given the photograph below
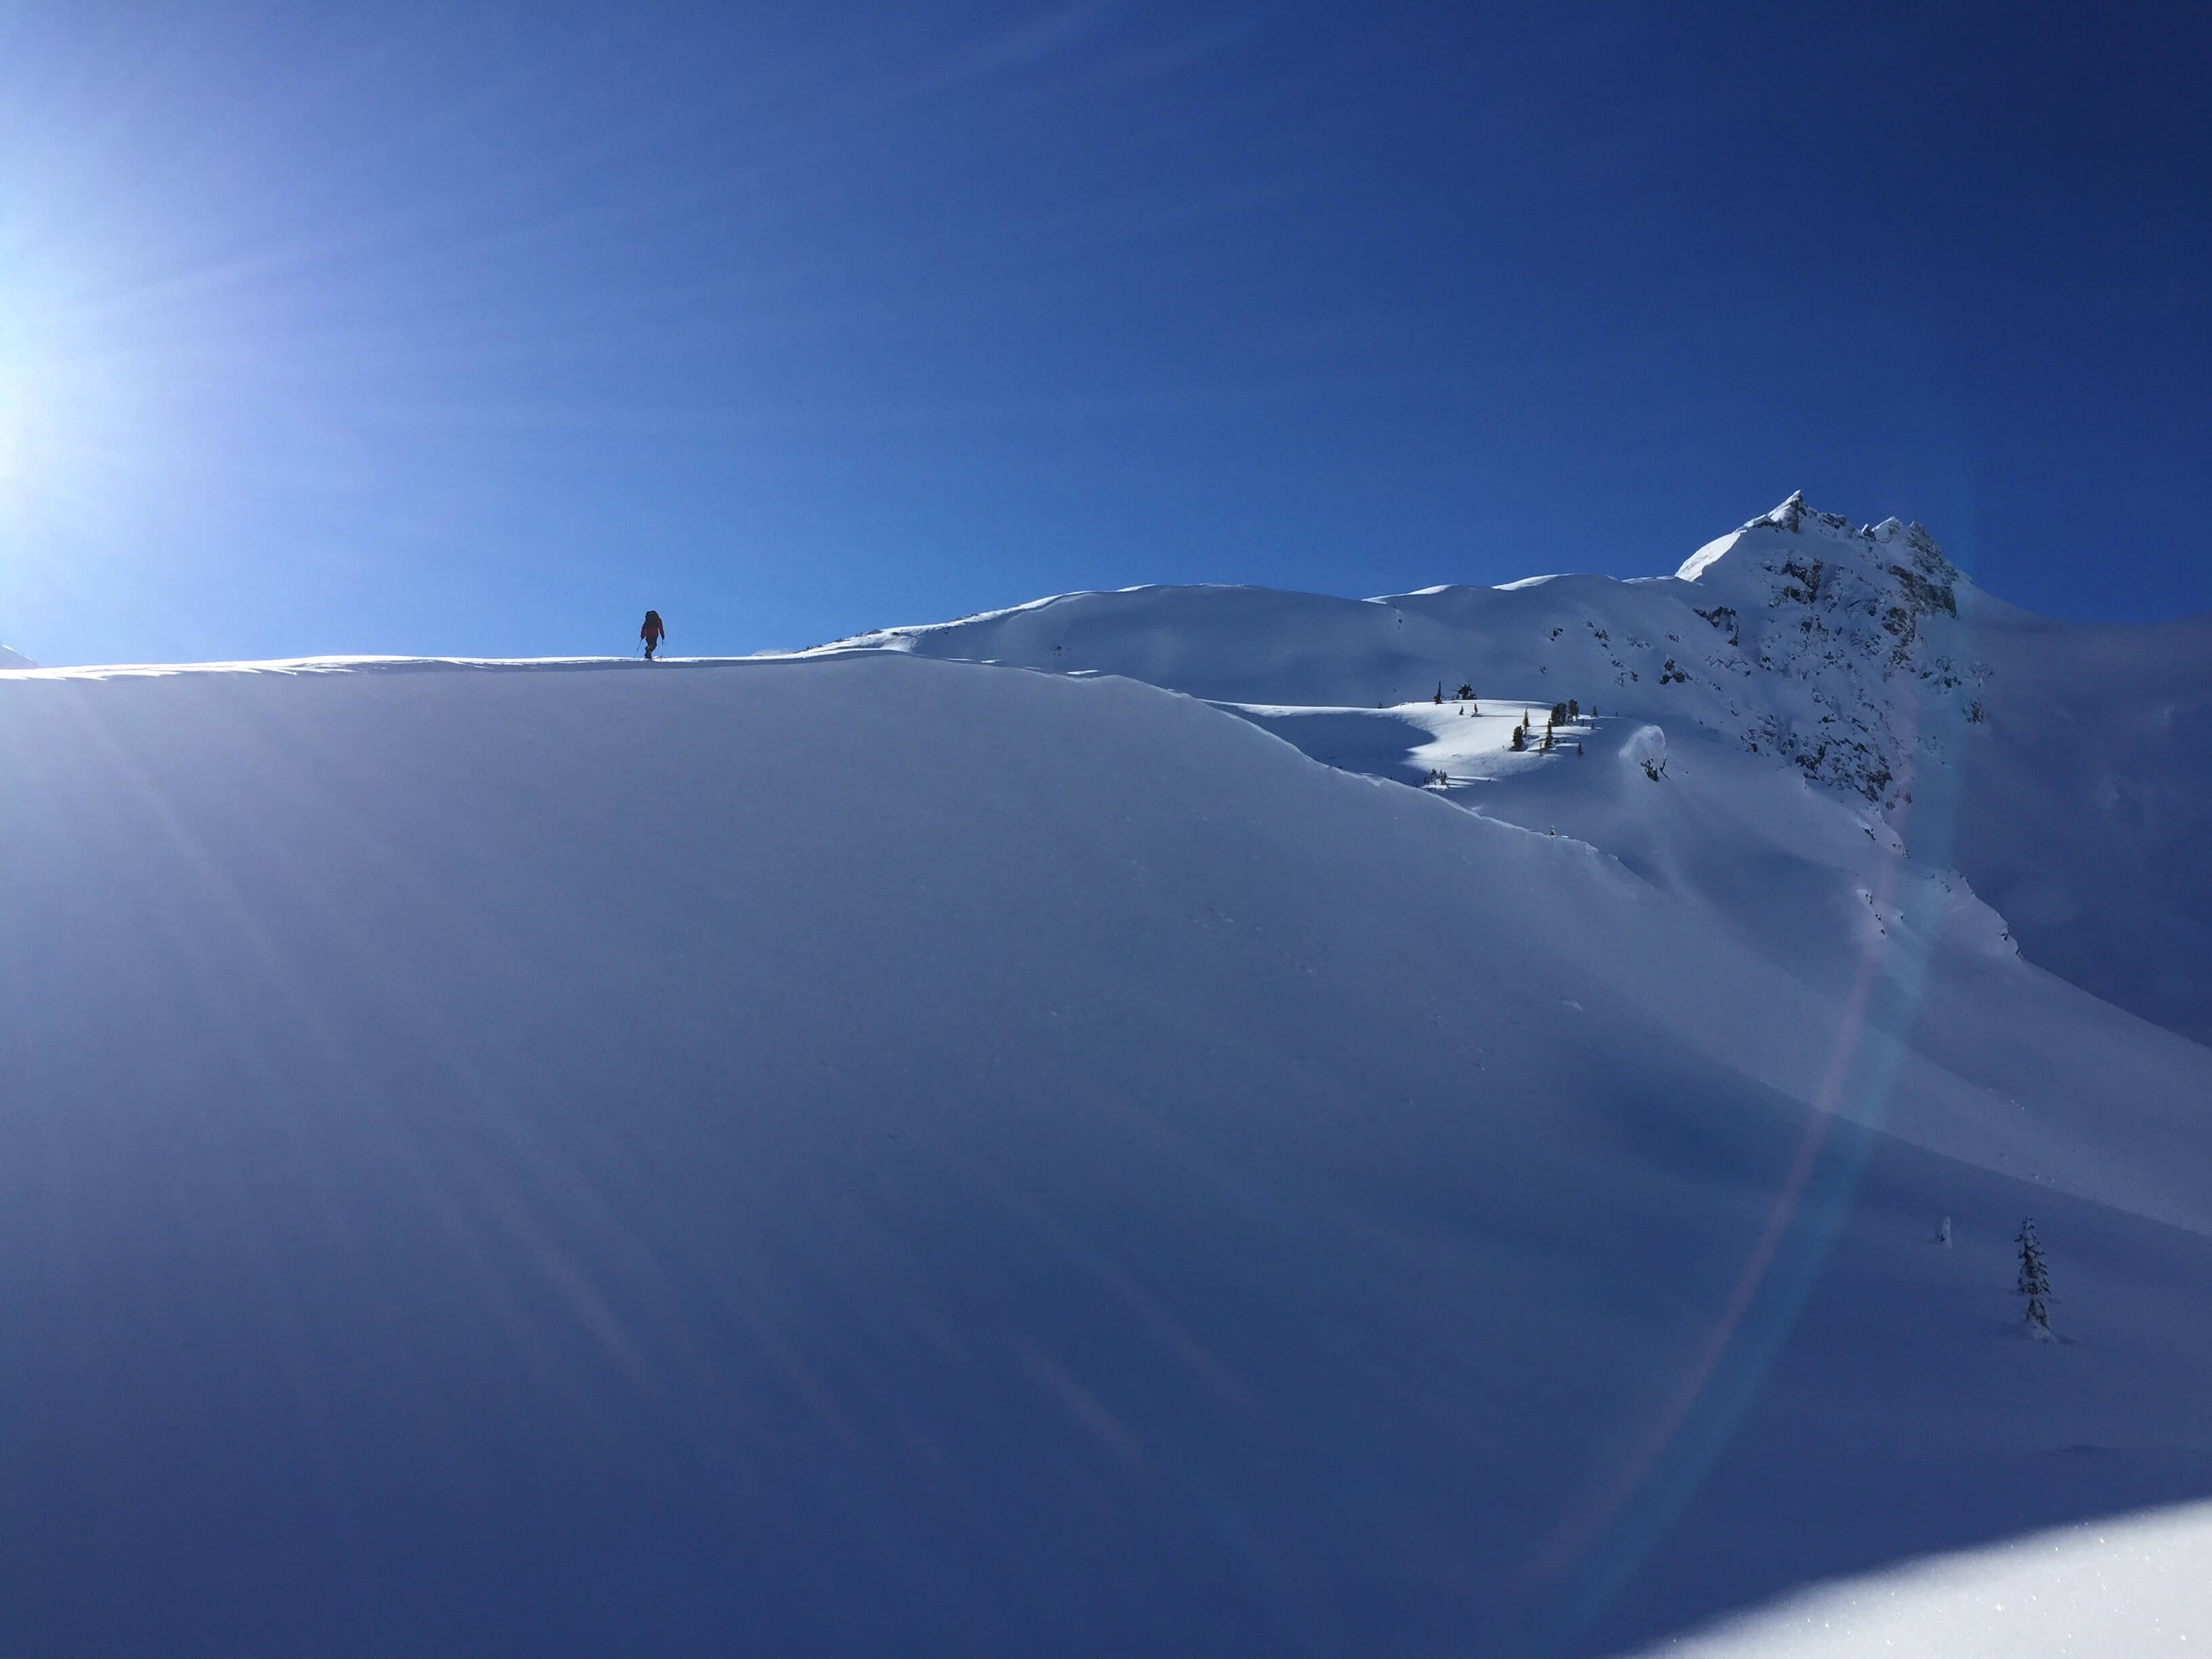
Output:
x=1855 y=627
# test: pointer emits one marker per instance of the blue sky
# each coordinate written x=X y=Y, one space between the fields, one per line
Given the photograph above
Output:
x=479 y=328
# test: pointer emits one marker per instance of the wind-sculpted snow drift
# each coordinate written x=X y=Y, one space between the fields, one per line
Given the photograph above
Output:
x=863 y=1154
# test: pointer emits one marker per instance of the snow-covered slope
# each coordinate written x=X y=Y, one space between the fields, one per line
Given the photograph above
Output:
x=14 y=660
x=870 y=1154
x=2065 y=771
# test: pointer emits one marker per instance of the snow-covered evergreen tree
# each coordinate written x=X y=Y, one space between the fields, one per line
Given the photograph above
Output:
x=2034 y=1281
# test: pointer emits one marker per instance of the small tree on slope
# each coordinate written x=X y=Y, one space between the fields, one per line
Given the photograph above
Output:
x=2034 y=1281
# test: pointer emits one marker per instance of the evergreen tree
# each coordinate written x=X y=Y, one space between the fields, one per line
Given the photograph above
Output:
x=2034 y=1281
x=1519 y=741
x=1574 y=713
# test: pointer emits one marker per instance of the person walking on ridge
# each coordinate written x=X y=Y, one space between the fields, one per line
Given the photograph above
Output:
x=653 y=632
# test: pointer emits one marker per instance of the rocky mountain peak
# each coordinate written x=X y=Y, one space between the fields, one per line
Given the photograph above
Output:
x=1852 y=621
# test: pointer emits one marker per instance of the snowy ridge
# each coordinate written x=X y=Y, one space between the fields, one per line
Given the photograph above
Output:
x=1858 y=658
x=1834 y=614
x=361 y=664
x=14 y=660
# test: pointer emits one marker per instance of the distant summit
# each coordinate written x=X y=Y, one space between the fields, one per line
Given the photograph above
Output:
x=1906 y=553
x=15 y=659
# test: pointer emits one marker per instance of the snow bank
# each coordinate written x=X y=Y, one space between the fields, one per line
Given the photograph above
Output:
x=2137 y=1585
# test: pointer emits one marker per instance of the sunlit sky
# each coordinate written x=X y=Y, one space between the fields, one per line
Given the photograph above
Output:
x=479 y=328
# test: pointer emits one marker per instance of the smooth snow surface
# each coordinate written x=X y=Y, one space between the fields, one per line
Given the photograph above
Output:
x=861 y=1153
x=2137 y=1585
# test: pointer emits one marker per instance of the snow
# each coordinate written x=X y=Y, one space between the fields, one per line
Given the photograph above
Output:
x=13 y=659
x=865 y=1151
x=1699 y=562
x=2137 y=1585
x=2065 y=770
x=1811 y=881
